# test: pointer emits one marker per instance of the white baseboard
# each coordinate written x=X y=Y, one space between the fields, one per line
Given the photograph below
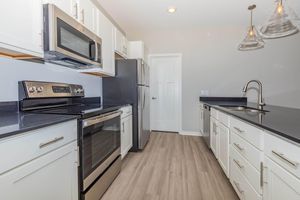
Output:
x=190 y=133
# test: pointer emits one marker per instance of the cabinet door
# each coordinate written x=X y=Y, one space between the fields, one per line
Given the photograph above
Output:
x=106 y=32
x=201 y=119
x=118 y=41
x=52 y=176
x=70 y=7
x=125 y=46
x=21 y=26
x=87 y=14
x=278 y=183
x=126 y=135
x=223 y=158
x=214 y=137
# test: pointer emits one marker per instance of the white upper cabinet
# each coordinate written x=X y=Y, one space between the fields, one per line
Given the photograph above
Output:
x=21 y=31
x=87 y=14
x=121 y=43
x=21 y=27
x=70 y=7
x=105 y=30
x=137 y=50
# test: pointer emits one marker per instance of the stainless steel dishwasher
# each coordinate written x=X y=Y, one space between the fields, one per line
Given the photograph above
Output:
x=206 y=124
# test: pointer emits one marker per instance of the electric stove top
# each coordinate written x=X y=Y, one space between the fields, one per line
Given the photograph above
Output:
x=84 y=111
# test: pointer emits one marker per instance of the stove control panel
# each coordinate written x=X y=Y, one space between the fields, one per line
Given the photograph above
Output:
x=36 y=89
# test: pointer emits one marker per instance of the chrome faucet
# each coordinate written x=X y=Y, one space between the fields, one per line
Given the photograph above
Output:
x=260 y=102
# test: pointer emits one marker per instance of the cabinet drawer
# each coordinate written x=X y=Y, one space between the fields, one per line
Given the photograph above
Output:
x=242 y=187
x=252 y=174
x=283 y=153
x=22 y=148
x=223 y=118
x=249 y=152
x=250 y=133
x=126 y=111
x=214 y=113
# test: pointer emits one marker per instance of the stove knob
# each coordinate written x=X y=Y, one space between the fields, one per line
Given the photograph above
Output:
x=40 y=89
x=78 y=91
x=31 y=89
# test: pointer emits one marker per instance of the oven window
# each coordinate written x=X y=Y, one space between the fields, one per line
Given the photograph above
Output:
x=72 y=40
x=99 y=142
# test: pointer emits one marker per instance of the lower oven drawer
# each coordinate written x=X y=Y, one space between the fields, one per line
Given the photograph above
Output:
x=88 y=181
x=103 y=183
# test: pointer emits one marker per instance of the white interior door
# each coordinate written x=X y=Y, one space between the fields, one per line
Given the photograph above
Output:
x=165 y=92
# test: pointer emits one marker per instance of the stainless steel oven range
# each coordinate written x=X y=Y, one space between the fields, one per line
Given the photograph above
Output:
x=98 y=132
x=100 y=153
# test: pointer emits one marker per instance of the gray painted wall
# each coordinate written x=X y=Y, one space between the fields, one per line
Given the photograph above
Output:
x=211 y=62
x=12 y=71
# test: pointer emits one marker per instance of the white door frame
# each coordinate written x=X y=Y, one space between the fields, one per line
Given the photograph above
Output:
x=179 y=55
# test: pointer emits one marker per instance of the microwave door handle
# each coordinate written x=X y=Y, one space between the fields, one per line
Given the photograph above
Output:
x=96 y=51
x=92 y=56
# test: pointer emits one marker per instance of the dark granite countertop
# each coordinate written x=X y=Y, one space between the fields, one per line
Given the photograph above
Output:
x=12 y=122
x=282 y=121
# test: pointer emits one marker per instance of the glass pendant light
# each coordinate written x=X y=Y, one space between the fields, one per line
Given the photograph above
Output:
x=279 y=25
x=252 y=40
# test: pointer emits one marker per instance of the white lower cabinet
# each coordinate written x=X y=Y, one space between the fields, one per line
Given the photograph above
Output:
x=261 y=165
x=279 y=184
x=50 y=170
x=219 y=143
x=241 y=185
x=52 y=176
x=223 y=158
x=214 y=138
x=126 y=130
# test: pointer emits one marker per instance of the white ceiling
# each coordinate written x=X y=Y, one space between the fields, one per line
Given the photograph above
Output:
x=152 y=15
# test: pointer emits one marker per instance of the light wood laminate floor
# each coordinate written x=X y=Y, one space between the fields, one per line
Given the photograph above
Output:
x=171 y=167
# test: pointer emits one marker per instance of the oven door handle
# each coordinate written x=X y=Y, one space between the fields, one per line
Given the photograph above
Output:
x=101 y=118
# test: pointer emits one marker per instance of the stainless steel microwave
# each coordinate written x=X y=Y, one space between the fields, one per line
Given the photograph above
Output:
x=67 y=42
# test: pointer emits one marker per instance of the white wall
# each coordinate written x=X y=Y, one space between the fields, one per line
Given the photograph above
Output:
x=212 y=62
x=12 y=71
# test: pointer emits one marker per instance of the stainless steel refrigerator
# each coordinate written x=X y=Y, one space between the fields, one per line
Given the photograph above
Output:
x=131 y=86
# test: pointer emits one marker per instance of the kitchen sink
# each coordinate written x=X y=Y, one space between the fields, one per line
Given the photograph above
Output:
x=244 y=109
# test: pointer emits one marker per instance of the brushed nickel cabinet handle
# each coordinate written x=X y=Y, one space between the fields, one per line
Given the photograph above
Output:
x=238 y=164
x=261 y=174
x=215 y=128
x=42 y=145
x=284 y=158
x=76 y=11
x=238 y=146
x=82 y=16
x=238 y=130
x=238 y=187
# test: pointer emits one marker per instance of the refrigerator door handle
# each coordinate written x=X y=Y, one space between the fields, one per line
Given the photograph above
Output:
x=144 y=100
x=143 y=73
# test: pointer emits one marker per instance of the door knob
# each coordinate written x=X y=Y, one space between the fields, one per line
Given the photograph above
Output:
x=153 y=98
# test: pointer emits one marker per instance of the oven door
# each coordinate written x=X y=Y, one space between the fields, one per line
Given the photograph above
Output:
x=100 y=145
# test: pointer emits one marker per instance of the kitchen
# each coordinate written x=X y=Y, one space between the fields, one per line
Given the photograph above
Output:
x=51 y=115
